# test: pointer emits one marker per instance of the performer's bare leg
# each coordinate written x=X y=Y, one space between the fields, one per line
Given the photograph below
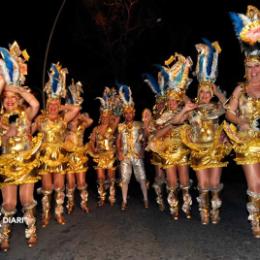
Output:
x=9 y=194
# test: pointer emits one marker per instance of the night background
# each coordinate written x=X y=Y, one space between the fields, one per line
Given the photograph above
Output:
x=101 y=42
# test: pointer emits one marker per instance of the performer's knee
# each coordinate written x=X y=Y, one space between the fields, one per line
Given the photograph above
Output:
x=9 y=204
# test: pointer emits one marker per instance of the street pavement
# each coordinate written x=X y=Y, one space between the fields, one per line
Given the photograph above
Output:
x=138 y=233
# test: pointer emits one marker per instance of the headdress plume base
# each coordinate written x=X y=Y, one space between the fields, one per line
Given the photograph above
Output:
x=247 y=29
x=158 y=86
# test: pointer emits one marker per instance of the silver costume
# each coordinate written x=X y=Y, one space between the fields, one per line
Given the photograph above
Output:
x=133 y=148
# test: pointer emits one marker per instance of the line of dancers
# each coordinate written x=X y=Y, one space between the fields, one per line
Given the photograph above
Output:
x=177 y=133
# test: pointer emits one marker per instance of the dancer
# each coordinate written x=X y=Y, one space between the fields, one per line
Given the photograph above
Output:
x=205 y=136
x=158 y=87
x=52 y=123
x=18 y=159
x=74 y=145
x=167 y=142
x=244 y=111
x=102 y=145
x=130 y=147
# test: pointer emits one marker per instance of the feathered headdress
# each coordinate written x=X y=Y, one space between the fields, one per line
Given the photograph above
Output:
x=12 y=64
x=178 y=67
x=207 y=61
x=158 y=86
x=56 y=86
x=110 y=102
x=125 y=94
x=247 y=29
x=74 y=92
x=104 y=101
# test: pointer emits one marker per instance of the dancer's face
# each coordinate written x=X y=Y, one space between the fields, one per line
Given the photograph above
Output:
x=253 y=72
x=129 y=115
x=172 y=103
x=11 y=100
x=205 y=96
x=147 y=115
x=105 y=117
x=53 y=107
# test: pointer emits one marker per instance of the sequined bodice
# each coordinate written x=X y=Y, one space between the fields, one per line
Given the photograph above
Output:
x=249 y=108
x=204 y=123
x=106 y=141
x=79 y=135
x=54 y=131
x=22 y=140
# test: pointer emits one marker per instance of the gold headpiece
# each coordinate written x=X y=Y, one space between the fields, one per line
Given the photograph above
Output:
x=178 y=75
x=56 y=86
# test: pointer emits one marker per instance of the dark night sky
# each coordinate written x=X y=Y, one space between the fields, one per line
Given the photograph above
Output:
x=81 y=46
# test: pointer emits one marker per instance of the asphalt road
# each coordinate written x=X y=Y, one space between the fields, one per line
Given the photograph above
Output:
x=107 y=233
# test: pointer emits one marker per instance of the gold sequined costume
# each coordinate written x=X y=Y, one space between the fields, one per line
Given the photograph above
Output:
x=77 y=164
x=19 y=152
x=77 y=157
x=105 y=145
x=170 y=148
x=246 y=143
x=19 y=156
x=156 y=159
x=205 y=138
x=52 y=153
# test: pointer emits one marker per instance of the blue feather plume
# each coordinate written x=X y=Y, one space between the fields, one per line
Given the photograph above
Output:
x=201 y=61
x=210 y=55
x=237 y=22
x=55 y=78
x=180 y=74
x=163 y=71
x=126 y=92
x=8 y=61
x=152 y=82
